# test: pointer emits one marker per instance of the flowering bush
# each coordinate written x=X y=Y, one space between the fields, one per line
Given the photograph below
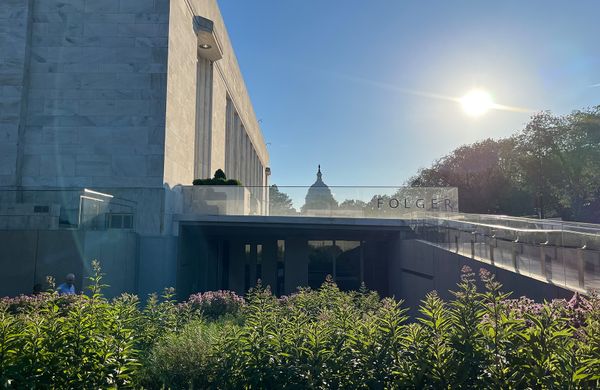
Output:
x=214 y=304
x=319 y=339
x=81 y=341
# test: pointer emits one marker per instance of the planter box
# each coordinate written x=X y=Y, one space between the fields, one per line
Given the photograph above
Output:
x=216 y=200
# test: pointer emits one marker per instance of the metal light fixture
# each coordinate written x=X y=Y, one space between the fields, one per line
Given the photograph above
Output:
x=205 y=46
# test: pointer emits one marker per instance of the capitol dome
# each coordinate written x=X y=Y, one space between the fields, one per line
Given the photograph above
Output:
x=319 y=196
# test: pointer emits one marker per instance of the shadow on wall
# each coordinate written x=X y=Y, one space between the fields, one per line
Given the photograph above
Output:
x=28 y=257
x=418 y=268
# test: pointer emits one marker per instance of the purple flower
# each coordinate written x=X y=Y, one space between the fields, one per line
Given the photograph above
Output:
x=214 y=304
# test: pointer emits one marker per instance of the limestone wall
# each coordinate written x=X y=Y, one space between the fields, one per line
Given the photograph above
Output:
x=181 y=94
x=102 y=94
x=14 y=23
x=95 y=92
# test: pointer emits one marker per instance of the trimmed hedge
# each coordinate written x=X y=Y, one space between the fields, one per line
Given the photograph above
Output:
x=219 y=179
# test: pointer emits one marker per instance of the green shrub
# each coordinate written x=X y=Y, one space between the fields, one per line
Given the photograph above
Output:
x=319 y=339
x=233 y=182
x=219 y=174
x=80 y=341
x=219 y=179
x=215 y=304
x=185 y=359
x=68 y=342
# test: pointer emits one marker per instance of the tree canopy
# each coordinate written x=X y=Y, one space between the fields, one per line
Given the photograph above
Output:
x=279 y=202
x=551 y=168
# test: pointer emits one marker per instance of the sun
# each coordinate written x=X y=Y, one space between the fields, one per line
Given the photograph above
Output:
x=476 y=102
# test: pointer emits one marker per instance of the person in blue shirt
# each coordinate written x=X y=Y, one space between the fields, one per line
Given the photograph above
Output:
x=68 y=287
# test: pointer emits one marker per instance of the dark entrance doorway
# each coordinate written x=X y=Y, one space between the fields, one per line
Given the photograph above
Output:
x=233 y=255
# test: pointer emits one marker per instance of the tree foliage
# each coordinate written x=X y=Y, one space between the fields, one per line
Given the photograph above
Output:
x=551 y=167
x=279 y=202
x=219 y=179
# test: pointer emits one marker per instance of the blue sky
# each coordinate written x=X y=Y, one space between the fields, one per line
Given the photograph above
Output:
x=333 y=81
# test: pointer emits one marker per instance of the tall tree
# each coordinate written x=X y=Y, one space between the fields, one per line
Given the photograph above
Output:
x=279 y=202
x=482 y=173
x=560 y=161
x=551 y=167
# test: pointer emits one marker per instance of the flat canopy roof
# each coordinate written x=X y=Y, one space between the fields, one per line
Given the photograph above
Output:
x=287 y=226
x=292 y=221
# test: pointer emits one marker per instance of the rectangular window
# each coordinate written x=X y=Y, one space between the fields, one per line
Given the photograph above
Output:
x=119 y=221
x=340 y=259
x=348 y=264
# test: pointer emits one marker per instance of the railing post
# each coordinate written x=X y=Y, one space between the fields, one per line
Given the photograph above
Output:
x=456 y=242
x=514 y=255
x=543 y=261
x=492 y=246
x=581 y=267
x=473 y=245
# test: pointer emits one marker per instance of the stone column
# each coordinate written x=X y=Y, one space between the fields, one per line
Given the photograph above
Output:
x=237 y=266
x=251 y=262
x=296 y=263
x=269 y=264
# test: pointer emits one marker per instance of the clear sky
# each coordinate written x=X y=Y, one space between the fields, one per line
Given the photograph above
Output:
x=349 y=84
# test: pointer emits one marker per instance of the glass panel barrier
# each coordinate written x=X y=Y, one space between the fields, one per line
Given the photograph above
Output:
x=563 y=253
x=60 y=208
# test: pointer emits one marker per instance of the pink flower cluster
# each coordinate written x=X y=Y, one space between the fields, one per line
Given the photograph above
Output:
x=575 y=310
x=27 y=303
x=214 y=304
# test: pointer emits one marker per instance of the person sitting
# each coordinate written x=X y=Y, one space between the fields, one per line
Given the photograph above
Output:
x=68 y=287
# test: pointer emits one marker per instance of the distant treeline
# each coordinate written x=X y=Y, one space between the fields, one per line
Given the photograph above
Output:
x=551 y=169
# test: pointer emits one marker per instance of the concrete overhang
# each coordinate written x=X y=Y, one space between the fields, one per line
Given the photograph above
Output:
x=298 y=222
x=208 y=43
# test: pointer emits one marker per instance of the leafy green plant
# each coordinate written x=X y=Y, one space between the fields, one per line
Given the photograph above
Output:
x=316 y=338
x=466 y=312
x=219 y=179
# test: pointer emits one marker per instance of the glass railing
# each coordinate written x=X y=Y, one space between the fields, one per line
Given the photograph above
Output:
x=566 y=254
x=331 y=201
x=64 y=208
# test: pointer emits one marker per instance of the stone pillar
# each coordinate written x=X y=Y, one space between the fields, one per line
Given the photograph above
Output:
x=251 y=263
x=296 y=263
x=237 y=266
x=269 y=264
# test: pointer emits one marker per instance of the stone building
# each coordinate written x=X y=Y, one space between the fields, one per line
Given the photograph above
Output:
x=131 y=98
x=109 y=109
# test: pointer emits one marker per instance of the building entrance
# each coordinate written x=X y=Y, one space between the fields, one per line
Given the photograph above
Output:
x=232 y=256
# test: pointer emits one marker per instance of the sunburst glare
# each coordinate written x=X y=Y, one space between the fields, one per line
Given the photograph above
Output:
x=476 y=102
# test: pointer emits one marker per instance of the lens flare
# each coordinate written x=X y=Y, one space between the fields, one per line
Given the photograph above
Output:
x=476 y=102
